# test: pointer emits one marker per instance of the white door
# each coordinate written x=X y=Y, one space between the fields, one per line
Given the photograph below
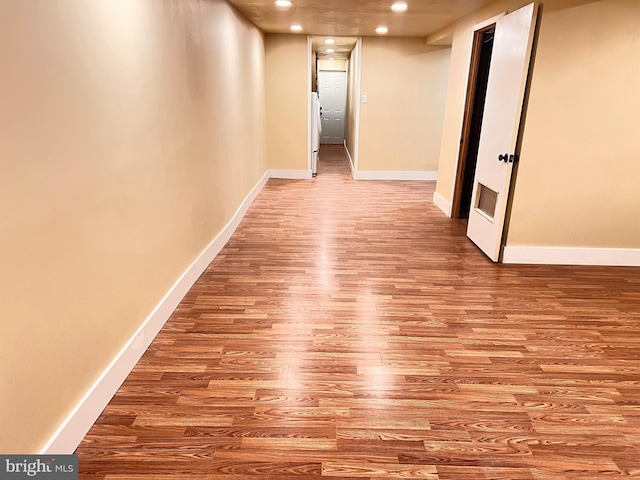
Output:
x=332 y=87
x=500 y=124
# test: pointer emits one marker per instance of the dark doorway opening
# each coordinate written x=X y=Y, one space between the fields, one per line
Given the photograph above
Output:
x=472 y=124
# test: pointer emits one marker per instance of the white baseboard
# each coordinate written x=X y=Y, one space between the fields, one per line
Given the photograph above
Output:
x=76 y=425
x=291 y=174
x=629 y=257
x=391 y=175
x=442 y=204
x=353 y=168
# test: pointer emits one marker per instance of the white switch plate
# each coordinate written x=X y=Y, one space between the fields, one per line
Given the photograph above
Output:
x=364 y=99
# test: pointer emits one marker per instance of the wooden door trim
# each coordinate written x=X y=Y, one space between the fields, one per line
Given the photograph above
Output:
x=468 y=114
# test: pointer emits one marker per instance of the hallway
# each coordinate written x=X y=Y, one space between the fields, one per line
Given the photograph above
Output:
x=349 y=329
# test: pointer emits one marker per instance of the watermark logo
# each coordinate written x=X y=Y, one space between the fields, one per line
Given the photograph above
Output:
x=49 y=467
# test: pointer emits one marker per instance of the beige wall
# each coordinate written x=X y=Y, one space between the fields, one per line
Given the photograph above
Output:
x=287 y=86
x=577 y=179
x=124 y=150
x=336 y=65
x=401 y=124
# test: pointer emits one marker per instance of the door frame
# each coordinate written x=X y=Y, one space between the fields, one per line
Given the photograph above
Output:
x=472 y=78
x=310 y=84
x=357 y=69
x=355 y=160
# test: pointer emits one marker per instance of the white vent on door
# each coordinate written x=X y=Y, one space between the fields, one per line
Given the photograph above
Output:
x=487 y=201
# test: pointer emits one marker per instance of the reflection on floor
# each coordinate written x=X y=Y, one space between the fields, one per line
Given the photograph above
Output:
x=350 y=330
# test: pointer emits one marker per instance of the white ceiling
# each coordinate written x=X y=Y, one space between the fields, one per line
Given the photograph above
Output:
x=356 y=17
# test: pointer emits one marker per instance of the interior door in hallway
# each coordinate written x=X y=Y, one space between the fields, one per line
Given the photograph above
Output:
x=333 y=100
x=500 y=125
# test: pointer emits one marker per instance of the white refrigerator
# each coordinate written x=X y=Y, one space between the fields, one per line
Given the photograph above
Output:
x=316 y=131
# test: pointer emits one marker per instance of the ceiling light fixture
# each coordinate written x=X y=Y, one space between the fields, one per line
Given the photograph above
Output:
x=330 y=50
x=283 y=3
x=296 y=28
x=399 y=7
x=381 y=30
x=329 y=41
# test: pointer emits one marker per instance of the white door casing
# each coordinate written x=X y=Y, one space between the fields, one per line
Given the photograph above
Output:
x=316 y=132
x=498 y=138
x=332 y=87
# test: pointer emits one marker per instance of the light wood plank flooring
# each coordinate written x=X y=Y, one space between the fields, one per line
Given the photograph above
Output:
x=350 y=330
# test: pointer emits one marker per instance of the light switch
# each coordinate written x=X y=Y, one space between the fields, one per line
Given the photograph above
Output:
x=364 y=99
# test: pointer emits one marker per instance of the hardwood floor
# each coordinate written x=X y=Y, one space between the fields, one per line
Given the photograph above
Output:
x=350 y=330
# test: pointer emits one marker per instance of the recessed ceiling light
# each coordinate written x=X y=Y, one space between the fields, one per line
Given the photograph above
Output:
x=399 y=7
x=330 y=50
x=283 y=3
x=296 y=28
x=381 y=30
x=329 y=41
x=331 y=58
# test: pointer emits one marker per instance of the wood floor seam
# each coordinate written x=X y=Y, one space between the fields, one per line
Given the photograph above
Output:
x=349 y=330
